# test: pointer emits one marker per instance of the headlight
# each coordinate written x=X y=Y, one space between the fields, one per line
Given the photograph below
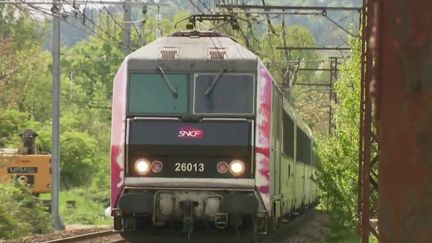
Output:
x=237 y=167
x=142 y=166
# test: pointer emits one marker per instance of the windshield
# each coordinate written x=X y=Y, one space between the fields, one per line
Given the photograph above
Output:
x=224 y=93
x=158 y=93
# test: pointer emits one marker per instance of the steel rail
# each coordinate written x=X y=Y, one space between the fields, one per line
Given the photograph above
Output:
x=84 y=236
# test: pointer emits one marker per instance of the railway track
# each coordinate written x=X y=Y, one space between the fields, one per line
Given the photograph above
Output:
x=299 y=229
x=100 y=236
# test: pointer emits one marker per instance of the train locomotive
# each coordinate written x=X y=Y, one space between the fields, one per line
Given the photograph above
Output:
x=203 y=135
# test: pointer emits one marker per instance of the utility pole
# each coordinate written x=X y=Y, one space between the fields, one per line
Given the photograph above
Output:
x=142 y=35
x=55 y=166
x=127 y=27
x=158 y=29
x=332 y=93
x=333 y=75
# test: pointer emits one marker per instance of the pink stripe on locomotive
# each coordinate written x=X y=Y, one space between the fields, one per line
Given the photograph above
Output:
x=262 y=140
x=118 y=133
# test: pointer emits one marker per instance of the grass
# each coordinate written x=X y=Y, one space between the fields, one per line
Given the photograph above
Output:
x=343 y=237
x=340 y=235
x=86 y=211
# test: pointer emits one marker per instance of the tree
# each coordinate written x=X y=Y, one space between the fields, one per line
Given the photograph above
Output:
x=338 y=154
x=23 y=62
x=78 y=161
x=11 y=122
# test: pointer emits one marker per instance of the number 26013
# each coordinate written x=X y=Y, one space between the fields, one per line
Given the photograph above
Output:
x=189 y=167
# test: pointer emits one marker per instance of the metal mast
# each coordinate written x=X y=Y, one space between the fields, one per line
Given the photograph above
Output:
x=55 y=172
x=368 y=157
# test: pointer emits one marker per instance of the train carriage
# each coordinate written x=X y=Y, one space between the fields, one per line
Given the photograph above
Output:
x=202 y=133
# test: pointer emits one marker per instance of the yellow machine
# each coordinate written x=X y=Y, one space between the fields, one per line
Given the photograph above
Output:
x=32 y=170
x=28 y=167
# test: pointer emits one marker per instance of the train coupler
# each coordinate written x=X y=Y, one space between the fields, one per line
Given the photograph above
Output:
x=188 y=223
x=221 y=220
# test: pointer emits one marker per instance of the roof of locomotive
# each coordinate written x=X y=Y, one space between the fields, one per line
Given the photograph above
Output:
x=194 y=50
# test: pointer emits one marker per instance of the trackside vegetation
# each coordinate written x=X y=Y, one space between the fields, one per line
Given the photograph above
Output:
x=338 y=153
x=20 y=213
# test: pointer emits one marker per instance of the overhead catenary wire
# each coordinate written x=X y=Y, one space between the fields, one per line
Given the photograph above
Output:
x=80 y=15
x=148 y=3
x=249 y=27
x=287 y=7
x=84 y=17
x=116 y=22
x=50 y=14
x=64 y=20
x=269 y=23
x=196 y=6
x=341 y=27
x=105 y=32
x=205 y=6
x=297 y=10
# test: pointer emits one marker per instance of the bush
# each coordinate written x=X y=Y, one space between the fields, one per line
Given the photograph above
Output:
x=338 y=153
x=78 y=164
x=90 y=205
x=20 y=213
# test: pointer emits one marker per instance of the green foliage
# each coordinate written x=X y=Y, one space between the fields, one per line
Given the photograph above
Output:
x=18 y=25
x=20 y=213
x=23 y=61
x=90 y=205
x=10 y=123
x=165 y=26
x=295 y=36
x=13 y=122
x=78 y=164
x=338 y=153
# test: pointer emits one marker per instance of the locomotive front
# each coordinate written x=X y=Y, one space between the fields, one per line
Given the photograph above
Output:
x=183 y=132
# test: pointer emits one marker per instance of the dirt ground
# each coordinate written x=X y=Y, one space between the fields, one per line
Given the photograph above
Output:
x=313 y=226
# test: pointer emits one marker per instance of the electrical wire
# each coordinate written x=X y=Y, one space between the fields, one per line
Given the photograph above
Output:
x=269 y=23
x=205 y=6
x=196 y=7
x=105 y=32
x=112 y=17
x=341 y=27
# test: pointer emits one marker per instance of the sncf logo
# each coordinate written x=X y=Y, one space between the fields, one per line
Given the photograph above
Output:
x=190 y=132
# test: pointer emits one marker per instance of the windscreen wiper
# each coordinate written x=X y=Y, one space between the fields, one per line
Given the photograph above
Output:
x=213 y=83
x=168 y=82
